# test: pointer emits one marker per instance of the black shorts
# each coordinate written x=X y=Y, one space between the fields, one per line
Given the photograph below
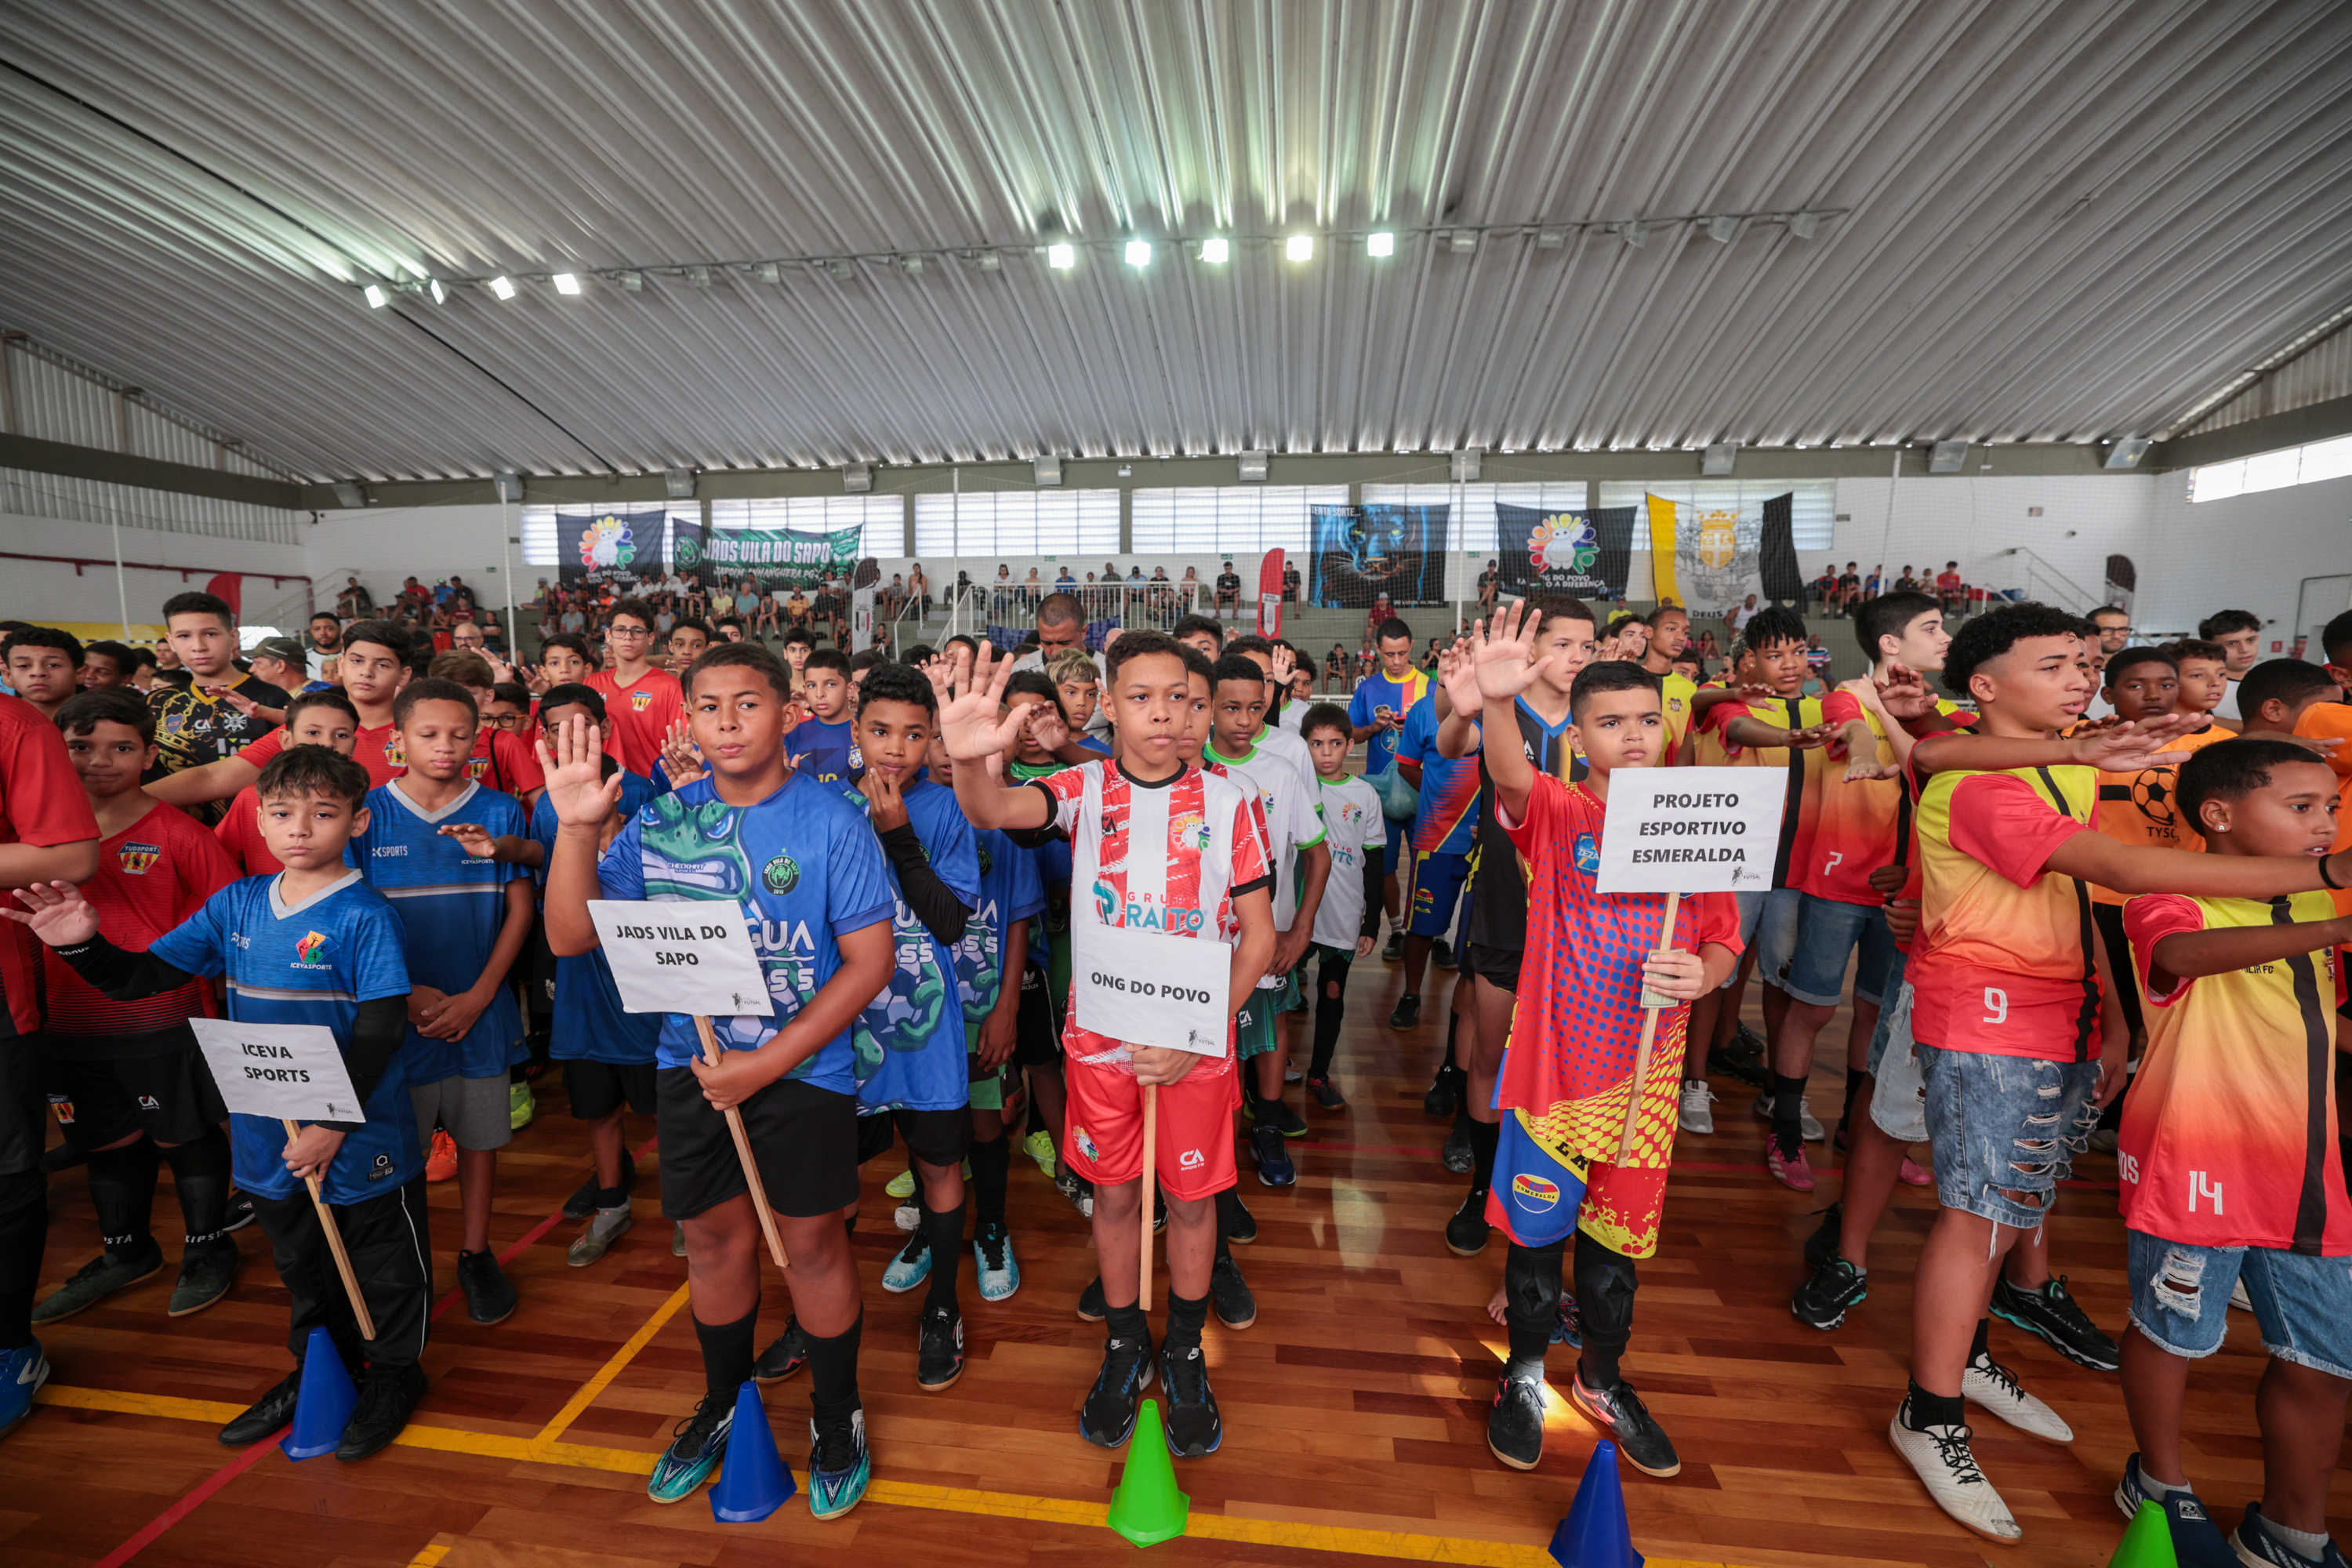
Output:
x=2109 y=918
x=169 y=1096
x=804 y=1138
x=1495 y=965
x=1037 y=1027
x=934 y=1137
x=599 y=1089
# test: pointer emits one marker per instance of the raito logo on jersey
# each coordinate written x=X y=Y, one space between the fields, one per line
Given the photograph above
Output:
x=138 y=860
x=1587 y=854
x=1535 y=1194
x=780 y=875
x=1105 y=902
x=307 y=951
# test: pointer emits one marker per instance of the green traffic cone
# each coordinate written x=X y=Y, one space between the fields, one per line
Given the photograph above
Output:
x=1147 y=1509
x=2148 y=1540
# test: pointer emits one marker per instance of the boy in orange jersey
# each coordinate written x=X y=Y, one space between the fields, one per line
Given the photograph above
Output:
x=2014 y=1018
x=2205 y=684
x=2229 y=1160
x=2330 y=725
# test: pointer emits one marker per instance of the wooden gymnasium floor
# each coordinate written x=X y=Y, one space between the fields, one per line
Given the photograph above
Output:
x=1355 y=1408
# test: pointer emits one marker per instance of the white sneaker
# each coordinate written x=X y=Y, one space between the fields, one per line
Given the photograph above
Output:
x=1806 y=1125
x=1941 y=1459
x=1995 y=1387
x=908 y=1215
x=1697 y=1113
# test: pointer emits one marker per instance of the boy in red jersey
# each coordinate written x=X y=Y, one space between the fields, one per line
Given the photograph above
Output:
x=1565 y=1081
x=642 y=699
x=314 y=719
x=132 y=1070
x=1166 y=848
x=2229 y=1159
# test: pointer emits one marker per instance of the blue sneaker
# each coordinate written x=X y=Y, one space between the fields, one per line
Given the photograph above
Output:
x=1570 y=1330
x=2256 y=1545
x=22 y=1373
x=991 y=1250
x=1274 y=1166
x=2196 y=1540
x=910 y=1268
x=693 y=1451
x=839 y=1467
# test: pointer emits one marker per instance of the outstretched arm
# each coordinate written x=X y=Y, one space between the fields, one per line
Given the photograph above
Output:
x=585 y=801
x=975 y=727
x=1503 y=656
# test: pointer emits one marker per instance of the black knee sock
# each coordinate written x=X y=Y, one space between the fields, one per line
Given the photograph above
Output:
x=1186 y=1316
x=1854 y=1078
x=24 y=1230
x=1788 y=1113
x=1127 y=1323
x=1453 y=1023
x=1483 y=1136
x=1330 y=1007
x=1981 y=1345
x=726 y=1353
x=1605 y=1284
x=200 y=1179
x=1530 y=1302
x=832 y=1372
x=943 y=1228
x=1229 y=1203
x=122 y=1186
x=992 y=1170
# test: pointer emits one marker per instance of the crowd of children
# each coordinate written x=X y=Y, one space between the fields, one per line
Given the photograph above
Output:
x=2090 y=898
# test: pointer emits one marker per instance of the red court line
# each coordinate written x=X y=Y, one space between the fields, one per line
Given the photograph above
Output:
x=154 y=1528
x=534 y=1234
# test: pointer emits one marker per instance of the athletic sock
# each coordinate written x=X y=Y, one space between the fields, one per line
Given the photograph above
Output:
x=1982 y=1345
x=24 y=1230
x=1127 y=1323
x=1605 y=1285
x=2307 y=1544
x=833 y=1371
x=943 y=1228
x=1854 y=1078
x=726 y=1353
x=1788 y=1113
x=2150 y=1485
x=200 y=1179
x=1925 y=1410
x=123 y=1187
x=1186 y=1316
x=1484 y=1138
x=1530 y=1302
x=992 y=1170
x=1453 y=1023
x=612 y=1197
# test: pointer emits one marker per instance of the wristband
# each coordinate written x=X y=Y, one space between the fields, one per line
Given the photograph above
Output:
x=2332 y=883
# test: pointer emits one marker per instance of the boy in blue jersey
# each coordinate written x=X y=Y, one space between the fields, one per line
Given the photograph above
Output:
x=913 y=1072
x=824 y=745
x=1376 y=713
x=466 y=918
x=1444 y=827
x=801 y=863
x=314 y=945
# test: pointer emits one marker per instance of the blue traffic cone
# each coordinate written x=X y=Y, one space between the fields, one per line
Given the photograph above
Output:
x=754 y=1481
x=1595 y=1534
x=324 y=1401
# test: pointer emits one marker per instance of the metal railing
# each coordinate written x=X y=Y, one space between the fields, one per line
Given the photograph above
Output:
x=2046 y=583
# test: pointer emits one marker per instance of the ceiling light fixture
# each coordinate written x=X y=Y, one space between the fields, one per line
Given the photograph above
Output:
x=1299 y=247
x=1380 y=244
x=502 y=287
x=1138 y=254
x=1215 y=250
x=440 y=295
x=1804 y=225
x=565 y=283
x=989 y=261
x=1634 y=233
x=376 y=297
x=1721 y=228
x=1463 y=240
x=1061 y=256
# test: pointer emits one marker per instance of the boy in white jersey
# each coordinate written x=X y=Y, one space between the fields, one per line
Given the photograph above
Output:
x=1347 y=920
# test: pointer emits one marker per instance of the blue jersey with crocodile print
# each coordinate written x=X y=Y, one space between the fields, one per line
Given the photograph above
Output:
x=804 y=868
x=909 y=1039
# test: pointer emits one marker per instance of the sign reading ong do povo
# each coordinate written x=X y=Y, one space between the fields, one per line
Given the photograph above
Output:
x=681 y=955
x=1691 y=830
x=1151 y=990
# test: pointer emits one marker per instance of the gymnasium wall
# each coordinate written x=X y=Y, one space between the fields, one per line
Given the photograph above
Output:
x=2249 y=552
x=54 y=593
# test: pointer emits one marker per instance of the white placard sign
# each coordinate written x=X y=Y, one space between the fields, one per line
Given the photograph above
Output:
x=1151 y=990
x=1691 y=830
x=291 y=1072
x=685 y=955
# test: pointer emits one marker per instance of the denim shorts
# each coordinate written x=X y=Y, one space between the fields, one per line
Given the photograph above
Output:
x=1751 y=916
x=2004 y=1125
x=1827 y=935
x=2180 y=1299
x=1776 y=934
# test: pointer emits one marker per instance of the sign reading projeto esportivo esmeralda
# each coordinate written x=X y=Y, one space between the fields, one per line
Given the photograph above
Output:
x=1691 y=830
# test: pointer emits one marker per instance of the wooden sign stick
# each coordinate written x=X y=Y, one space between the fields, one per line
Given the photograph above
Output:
x=1151 y=1131
x=335 y=1245
x=1649 y=1034
x=743 y=1153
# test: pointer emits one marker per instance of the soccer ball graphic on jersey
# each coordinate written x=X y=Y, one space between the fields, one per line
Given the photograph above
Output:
x=2151 y=791
x=608 y=543
x=1563 y=542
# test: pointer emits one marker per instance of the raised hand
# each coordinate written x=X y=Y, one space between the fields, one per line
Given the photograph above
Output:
x=473 y=836
x=1901 y=695
x=1457 y=673
x=1810 y=736
x=2129 y=746
x=972 y=721
x=534 y=678
x=1047 y=730
x=575 y=766
x=1285 y=667
x=57 y=913
x=1505 y=652
x=681 y=760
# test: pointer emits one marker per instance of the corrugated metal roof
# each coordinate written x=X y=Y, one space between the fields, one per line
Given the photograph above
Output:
x=2059 y=219
x=2314 y=374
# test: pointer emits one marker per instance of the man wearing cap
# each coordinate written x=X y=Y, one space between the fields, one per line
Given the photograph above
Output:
x=282 y=662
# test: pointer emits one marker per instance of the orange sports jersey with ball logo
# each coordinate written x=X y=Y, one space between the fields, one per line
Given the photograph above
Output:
x=2142 y=809
x=2229 y=1135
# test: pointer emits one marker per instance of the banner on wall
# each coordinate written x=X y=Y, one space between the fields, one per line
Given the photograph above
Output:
x=610 y=546
x=779 y=557
x=1718 y=553
x=1588 y=554
x=1775 y=563
x=1362 y=554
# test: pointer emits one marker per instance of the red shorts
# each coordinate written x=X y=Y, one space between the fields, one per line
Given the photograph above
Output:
x=1193 y=1139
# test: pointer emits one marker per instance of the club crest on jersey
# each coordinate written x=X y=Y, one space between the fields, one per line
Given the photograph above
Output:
x=1190 y=831
x=640 y=700
x=780 y=875
x=1085 y=1140
x=1534 y=1194
x=1110 y=824
x=1587 y=854
x=174 y=721
x=987 y=861
x=306 y=951
x=138 y=860
x=857 y=757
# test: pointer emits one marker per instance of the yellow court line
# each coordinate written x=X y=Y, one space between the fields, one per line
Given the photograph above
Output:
x=541 y=1450
x=430 y=1556
x=588 y=1391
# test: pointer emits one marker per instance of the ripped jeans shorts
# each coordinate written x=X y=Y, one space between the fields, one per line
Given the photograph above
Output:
x=2005 y=1129
x=2303 y=1305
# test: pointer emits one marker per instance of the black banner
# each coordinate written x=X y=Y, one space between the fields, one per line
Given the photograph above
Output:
x=1589 y=554
x=610 y=546
x=1776 y=561
x=1361 y=554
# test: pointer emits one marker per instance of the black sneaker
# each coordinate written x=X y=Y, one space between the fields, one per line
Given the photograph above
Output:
x=1822 y=1244
x=1626 y=1421
x=1230 y=1293
x=1455 y=1155
x=1836 y=1287
x=265 y=1415
x=583 y=1202
x=2051 y=1313
x=1107 y=1417
x=1514 y=1425
x=241 y=1213
x=489 y=1297
x=1407 y=1013
x=783 y=1358
x=1439 y=1101
x=386 y=1396
x=1326 y=1094
x=1274 y=1164
x=1193 y=1427
x=96 y=1280
x=1441 y=954
x=1092 y=1306
x=1465 y=1233
x=206 y=1272
x=1393 y=951
x=938 y=1349
x=1240 y=1226
x=1278 y=1115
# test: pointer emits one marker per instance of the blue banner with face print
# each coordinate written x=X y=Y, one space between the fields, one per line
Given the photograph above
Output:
x=1362 y=554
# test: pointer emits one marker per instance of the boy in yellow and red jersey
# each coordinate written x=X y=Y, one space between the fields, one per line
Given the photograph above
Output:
x=2332 y=721
x=1669 y=640
x=2015 y=1026
x=2229 y=1160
